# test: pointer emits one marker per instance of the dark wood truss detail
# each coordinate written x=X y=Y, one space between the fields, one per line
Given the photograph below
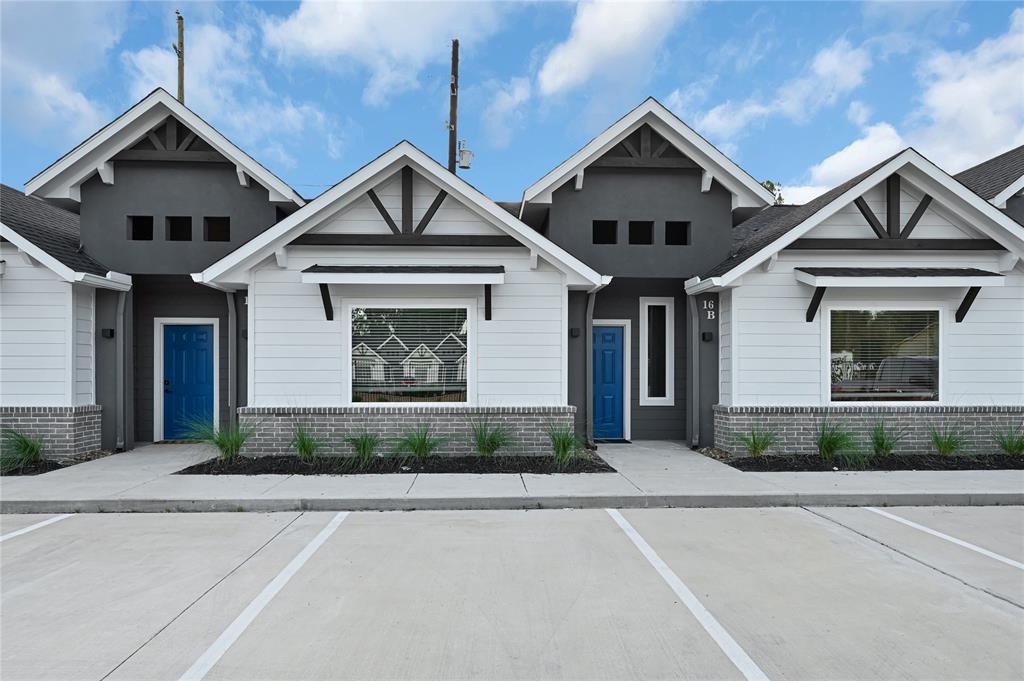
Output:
x=661 y=149
x=812 y=309
x=406 y=200
x=189 y=138
x=916 y=217
x=869 y=215
x=325 y=296
x=892 y=206
x=429 y=215
x=487 y=302
x=965 y=306
x=383 y=211
x=169 y=155
x=809 y=244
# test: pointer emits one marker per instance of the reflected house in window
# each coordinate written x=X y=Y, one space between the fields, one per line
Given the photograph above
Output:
x=409 y=354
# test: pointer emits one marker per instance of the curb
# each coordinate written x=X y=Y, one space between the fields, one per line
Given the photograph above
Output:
x=744 y=500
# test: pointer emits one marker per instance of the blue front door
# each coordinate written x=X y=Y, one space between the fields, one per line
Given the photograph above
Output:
x=188 y=378
x=608 y=404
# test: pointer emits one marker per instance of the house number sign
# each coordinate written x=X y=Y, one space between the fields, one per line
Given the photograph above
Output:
x=709 y=309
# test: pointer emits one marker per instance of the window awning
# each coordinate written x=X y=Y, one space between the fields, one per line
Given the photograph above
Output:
x=896 y=277
x=404 y=274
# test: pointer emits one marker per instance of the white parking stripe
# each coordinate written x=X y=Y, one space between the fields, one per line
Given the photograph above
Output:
x=213 y=654
x=30 y=528
x=953 y=540
x=727 y=643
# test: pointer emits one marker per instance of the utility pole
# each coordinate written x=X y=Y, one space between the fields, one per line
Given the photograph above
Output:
x=453 y=108
x=179 y=50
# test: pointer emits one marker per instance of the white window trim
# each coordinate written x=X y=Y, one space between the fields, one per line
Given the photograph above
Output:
x=669 y=399
x=627 y=370
x=158 y=368
x=469 y=304
x=826 y=351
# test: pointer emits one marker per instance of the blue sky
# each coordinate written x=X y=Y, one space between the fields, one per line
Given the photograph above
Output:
x=807 y=94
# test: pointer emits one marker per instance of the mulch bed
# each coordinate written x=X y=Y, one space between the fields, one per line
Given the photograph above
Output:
x=291 y=465
x=47 y=465
x=919 y=462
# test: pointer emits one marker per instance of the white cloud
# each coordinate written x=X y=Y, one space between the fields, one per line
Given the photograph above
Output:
x=858 y=113
x=971 y=108
x=835 y=71
x=616 y=38
x=878 y=141
x=504 y=113
x=47 y=50
x=223 y=84
x=393 y=40
x=973 y=102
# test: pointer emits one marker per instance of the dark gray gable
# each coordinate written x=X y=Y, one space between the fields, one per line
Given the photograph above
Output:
x=52 y=229
x=171 y=141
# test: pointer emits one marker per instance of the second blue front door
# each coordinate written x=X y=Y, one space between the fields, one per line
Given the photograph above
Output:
x=188 y=378
x=608 y=382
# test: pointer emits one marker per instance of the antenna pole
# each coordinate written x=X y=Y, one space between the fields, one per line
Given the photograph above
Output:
x=179 y=50
x=453 y=108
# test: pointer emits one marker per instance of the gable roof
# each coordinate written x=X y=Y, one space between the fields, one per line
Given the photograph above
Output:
x=776 y=227
x=998 y=178
x=365 y=178
x=62 y=178
x=51 y=236
x=745 y=189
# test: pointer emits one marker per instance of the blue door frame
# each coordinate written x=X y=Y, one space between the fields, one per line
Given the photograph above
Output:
x=188 y=377
x=609 y=382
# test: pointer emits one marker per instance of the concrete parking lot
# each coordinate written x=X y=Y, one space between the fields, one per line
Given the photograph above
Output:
x=785 y=593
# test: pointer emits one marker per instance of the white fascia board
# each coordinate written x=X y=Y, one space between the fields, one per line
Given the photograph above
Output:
x=404 y=278
x=664 y=121
x=82 y=161
x=698 y=285
x=356 y=184
x=1000 y=199
x=113 y=280
x=896 y=282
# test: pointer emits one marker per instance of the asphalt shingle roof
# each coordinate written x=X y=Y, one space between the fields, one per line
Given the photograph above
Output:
x=50 y=228
x=989 y=178
x=753 y=234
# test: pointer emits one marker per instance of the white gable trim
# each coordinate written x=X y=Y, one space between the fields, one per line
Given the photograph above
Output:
x=1000 y=199
x=412 y=352
x=64 y=177
x=994 y=224
x=114 y=280
x=745 y=189
x=356 y=184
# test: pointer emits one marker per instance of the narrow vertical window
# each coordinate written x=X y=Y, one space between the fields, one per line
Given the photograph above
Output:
x=657 y=340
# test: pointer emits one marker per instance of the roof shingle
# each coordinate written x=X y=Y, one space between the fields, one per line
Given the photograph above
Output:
x=50 y=228
x=989 y=178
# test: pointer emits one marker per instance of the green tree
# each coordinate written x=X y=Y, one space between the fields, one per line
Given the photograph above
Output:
x=775 y=189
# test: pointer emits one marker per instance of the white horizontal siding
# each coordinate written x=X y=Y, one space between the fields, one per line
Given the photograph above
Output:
x=36 y=354
x=848 y=222
x=779 y=356
x=725 y=341
x=84 y=344
x=298 y=357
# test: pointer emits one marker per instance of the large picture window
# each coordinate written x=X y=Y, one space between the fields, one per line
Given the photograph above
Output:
x=657 y=338
x=884 y=355
x=409 y=354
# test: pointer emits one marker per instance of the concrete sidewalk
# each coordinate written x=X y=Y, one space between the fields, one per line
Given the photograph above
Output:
x=650 y=474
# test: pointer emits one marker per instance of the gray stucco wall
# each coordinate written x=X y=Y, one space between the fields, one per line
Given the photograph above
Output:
x=643 y=194
x=621 y=300
x=169 y=189
x=707 y=355
x=172 y=296
x=1015 y=208
x=106 y=366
